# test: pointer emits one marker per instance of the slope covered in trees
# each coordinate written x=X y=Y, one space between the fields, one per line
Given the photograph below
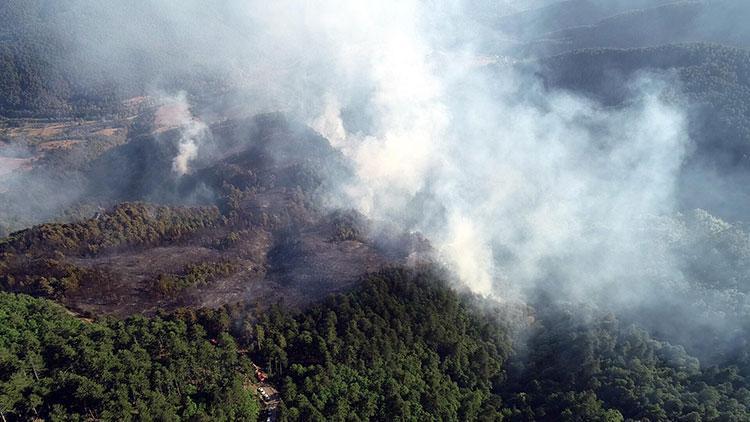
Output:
x=398 y=348
x=574 y=367
x=36 y=76
x=578 y=24
x=56 y=367
x=33 y=259
x=82 y=58
x=125 y=225
x=681 y=21
x=709 y=82
x=714 y=81
x=562 y=14
x=405 y=346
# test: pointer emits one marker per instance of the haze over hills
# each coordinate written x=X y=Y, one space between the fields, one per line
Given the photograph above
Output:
x=576 y=24
x=399 y=211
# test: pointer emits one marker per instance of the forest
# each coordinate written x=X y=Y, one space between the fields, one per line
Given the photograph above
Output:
x=406 y=346
x=297 y=246
x=32 y=259
x=59 y=367
x=403 y=346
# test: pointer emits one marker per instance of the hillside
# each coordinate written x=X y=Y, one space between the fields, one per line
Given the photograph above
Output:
x=58 y=367
x=261 y=235
x=714 y=91
x=404 y=345
x=60 y=58
x=390 y=347
x=514 y=210
x=714 y=79
x=561 y=15
x=579 y=24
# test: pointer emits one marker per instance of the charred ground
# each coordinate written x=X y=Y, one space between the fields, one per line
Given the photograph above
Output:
x=249 y=223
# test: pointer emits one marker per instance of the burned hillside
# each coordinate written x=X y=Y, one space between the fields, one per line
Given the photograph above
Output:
x=249 y=223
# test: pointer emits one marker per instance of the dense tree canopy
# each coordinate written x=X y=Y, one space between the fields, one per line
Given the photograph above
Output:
x=399 y=348
x=403 y=346
x=58 y=367
x=406 y=347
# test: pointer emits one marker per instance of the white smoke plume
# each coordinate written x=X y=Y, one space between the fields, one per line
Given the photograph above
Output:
x=516 y=185
x=174 y=112
x=522 y=183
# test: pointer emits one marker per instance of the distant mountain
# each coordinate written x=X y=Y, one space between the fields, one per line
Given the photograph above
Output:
x=688 y=21
x=713 y=87
x=82 y=58
x=530 y=23
x=579 y=24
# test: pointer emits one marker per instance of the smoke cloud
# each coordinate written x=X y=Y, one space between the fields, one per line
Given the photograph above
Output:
x=520 y=188
x=515 y=185
x=512 y=183
x=174 y=112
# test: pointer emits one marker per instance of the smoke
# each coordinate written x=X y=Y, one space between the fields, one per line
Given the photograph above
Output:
x=513 y=184
x=519 y=187
x=562 y=180
x=174 y=112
